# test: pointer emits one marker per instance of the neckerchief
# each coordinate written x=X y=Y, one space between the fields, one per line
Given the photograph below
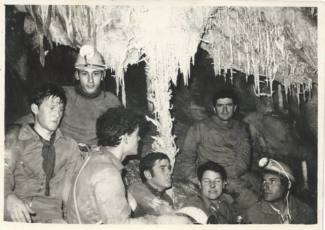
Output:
x=48 y=154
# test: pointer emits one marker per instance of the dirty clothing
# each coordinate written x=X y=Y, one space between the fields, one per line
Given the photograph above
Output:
x=98 y=193
x=262 y=213
x=221 y=209
x=25 y=177
x=80 y=115
x=144 y=195
x=226 y=144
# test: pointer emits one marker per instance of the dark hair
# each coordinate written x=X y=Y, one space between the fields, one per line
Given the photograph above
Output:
x=212 y=166
x=283 y=179
x=225 y=93
x=47 y=90
x=114 y=123
x=148 y=162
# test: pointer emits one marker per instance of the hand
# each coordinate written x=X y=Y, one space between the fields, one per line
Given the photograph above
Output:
x=160 y=206
x=18 y=210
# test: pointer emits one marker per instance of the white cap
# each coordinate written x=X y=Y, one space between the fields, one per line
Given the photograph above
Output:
x=195 y=213
x=90 y=57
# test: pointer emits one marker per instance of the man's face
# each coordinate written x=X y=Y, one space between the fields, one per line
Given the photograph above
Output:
x=49 y=113
x=225 y=108
x=90 y=79
x=211 y=184
x=133 y=142
x=273 y=189
x=161 y=175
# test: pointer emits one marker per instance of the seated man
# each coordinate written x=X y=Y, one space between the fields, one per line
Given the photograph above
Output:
x=38 y=168
x=224 y=140
x=86 y=101
x=98 y=194
x=156 y=175
x=211 y=198
x=278 y=206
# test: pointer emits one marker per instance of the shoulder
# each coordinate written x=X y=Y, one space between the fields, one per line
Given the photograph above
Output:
x=111 y=98
x=303 y=208
x=138 y=187
x=69 y=90
x=203 y=124
x=68 y=142
x=101 y=165
x=194 y=201
x=254 y=212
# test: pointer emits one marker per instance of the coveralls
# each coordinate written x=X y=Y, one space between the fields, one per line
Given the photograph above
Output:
x=226 y=144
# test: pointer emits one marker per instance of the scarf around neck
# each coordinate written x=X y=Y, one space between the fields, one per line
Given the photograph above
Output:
x=48 y=154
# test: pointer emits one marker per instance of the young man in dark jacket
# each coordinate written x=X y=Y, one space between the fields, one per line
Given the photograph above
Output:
x=150 y=195
x=39 y=166
x=211 y=199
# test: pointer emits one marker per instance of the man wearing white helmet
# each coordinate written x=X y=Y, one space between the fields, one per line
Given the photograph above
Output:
x=278 y=205
x=86 y=101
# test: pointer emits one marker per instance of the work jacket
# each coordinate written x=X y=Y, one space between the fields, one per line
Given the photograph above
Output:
x=220 y=208
x=212 y=140
x=262 y=213
x=25 y=177
x=98 y=195
x=144 y=194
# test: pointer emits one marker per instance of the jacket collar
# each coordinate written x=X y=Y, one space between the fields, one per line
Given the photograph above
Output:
x=266 y=208
x=116 y=162
x=154 y=191
x=28 y=133
x=216 y=203
x=217 y=122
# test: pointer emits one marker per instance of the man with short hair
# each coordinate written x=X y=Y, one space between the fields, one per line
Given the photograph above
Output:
x=38 y=168
x=211 y=199
x=98 y=194
x=156 y=176
x=86 y=101
x=221 y=139
x=278 y=206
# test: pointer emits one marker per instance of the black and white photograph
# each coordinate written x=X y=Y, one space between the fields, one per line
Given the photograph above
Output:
x=164 y=113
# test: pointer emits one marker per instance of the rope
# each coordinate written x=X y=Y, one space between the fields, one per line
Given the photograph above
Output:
x=74 y=190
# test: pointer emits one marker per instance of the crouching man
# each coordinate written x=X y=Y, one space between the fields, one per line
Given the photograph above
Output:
x=211 y=199
x=98 y=194
x=156 y=176
x=278 y=206
x=38 y=167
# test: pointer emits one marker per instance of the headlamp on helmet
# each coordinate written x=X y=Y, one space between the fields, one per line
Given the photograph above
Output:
x=89 y=57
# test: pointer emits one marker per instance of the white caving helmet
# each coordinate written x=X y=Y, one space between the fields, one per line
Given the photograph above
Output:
x=278 y=167
x=90 y=57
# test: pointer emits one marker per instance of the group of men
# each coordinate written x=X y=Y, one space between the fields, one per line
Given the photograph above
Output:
x=63 y=164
